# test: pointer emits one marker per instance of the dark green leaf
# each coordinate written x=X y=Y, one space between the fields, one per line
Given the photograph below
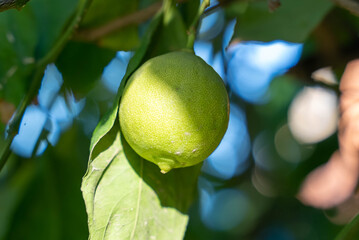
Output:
x=25 y=37
x=42 y=197
x=189 y=11
x=51 y=19
x=236 y=9
x=171 y=35
x=38 y=214
x=293 y=21
x=128 y=198
x=18 y=40
x=11 y=194
x=82 y=64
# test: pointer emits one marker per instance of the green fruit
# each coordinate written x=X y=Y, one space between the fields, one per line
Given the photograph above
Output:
x=174 y=110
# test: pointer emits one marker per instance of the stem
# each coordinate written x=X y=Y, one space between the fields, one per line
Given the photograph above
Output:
x=37 y=77
x=193 y=28
x=167 y=5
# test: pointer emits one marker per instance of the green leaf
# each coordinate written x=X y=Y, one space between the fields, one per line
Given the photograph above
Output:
x=236 y=8
x=128 y=198
x=38 y=213
x=82 y=64
x=171 y=35
x=25 y=37
x=51 y=19
x=350 y=231
x=11 y=193
x=189 y=10
x=18 y=40
x=293 y=21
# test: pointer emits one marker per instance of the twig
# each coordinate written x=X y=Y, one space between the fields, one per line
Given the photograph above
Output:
x=351 y=5
x=213 y=8
x=9 y=4
x=36 y=80
x=93 y=34
x=110 y=27
x=193 y=28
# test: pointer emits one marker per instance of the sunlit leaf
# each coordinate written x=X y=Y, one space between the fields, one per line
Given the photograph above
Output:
x=128 y=198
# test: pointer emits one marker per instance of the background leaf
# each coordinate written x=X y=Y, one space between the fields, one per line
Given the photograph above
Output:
x=18 y=41
x=81 y=65
x=293 y=21
x=43 y=200
x=51 y=18
x=11 y=195
x=25 y=37
x=171 y=34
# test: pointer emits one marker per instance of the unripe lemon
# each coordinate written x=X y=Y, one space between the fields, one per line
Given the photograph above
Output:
x=174 y=110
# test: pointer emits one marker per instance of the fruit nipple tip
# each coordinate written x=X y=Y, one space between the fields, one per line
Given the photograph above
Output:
x=165 y=168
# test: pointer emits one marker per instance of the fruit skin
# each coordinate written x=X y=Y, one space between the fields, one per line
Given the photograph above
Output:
x=174 y=110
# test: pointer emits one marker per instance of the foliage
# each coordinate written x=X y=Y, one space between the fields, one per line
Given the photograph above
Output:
x=126 y=197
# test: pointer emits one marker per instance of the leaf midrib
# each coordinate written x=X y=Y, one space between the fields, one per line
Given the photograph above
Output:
x=138 y=201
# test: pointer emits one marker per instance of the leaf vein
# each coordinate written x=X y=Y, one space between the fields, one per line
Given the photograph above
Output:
x=138 y=201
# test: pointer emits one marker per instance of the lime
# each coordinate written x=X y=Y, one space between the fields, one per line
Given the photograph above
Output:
x=174 y=110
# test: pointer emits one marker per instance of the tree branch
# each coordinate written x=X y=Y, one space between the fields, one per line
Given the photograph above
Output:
x=350 y=5
x=141 y=16
x=110 y=27
x=36 y=80
x=9 y=4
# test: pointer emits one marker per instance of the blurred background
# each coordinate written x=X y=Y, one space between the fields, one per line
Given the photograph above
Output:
x=283 y=125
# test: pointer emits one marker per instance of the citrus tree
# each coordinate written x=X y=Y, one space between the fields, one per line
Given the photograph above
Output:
x=170 y=108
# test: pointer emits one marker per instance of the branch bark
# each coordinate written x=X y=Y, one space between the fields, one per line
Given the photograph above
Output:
x=9 y=4
x=350 y=5
x=36 y=78
x=134 y=18
x=141 y=16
